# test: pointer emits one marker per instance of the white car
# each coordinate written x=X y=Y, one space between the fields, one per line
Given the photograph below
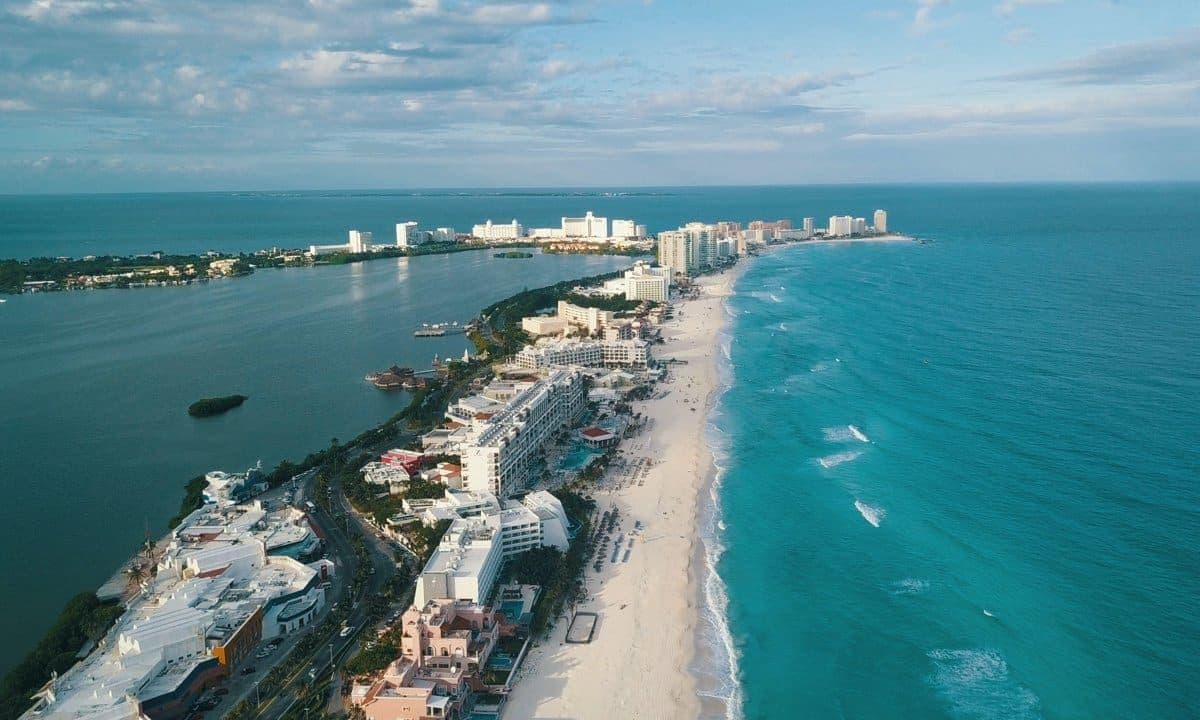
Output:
x=346 y=631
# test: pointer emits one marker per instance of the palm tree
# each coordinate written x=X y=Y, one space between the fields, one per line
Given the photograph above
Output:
x=136 y=574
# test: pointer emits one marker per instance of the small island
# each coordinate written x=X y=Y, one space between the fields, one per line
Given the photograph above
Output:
x=514 y=254
x=207 y=407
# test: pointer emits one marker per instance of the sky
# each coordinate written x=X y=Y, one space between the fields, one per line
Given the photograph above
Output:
x=144 y=95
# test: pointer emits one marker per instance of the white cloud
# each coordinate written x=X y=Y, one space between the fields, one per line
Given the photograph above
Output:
x=512 y=14
x=814 y=128
x=1008 y=7
x=923 y=20
x=11 y=105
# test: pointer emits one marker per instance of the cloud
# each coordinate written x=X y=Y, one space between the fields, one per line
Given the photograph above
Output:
x=1018 y=35
x=1008 y=7
x=923 y=21
x=11 y=105
x=813 y=128
x=1155 y=60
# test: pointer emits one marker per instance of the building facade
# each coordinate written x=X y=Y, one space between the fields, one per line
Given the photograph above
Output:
x=589 y=227
x=497 y=454
x=491 y=231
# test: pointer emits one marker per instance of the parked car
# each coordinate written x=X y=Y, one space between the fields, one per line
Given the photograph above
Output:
x=248 y=670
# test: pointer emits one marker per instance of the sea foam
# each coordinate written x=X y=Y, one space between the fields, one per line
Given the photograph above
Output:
x=844 y=433
x=832 y=461
x=976 y=683
x=908 y=586
x=871 y=513
x=719 y=675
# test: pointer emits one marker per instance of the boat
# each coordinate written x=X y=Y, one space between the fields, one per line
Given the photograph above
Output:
x=396 y=378
x=439 y=329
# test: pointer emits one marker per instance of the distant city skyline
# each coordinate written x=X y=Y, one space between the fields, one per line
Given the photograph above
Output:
x=142 y=95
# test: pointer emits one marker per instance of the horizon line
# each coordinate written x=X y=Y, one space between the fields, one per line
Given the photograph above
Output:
x=593 y=188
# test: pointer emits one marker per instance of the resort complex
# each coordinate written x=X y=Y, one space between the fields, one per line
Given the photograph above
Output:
x=229 y=578
x=487 y=508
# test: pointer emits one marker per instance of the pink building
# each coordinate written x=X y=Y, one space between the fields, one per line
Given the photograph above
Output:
x=443 y=646
x=403 y=694
x=450 y=635
x=407 y=459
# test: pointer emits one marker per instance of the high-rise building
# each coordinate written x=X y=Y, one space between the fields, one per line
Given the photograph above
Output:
x=808 y=226
x=627 y=229
x=840 y=226
x=727 y=228
x=360 y=241
x=406 y=234
x=690 y=248
x=674 y=248
x=588 y=226
x=498 y=453
x=880 y=221
x=490 y=231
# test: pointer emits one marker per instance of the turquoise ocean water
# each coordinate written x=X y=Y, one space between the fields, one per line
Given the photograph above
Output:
x=960 y=478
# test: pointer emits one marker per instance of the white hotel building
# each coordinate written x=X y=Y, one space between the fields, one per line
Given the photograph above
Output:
x=642 y=282
x=588 y=353
x=693 y=247
x=483 y=534
x=588 y=227
x=491 y=231
x=497 y=452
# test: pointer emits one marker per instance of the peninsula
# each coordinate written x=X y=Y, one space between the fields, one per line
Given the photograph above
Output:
x=493 y=549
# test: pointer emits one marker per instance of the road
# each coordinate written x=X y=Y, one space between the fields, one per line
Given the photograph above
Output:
x=327 y=660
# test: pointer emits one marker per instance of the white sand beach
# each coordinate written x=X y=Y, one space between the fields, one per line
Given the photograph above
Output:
x=637 y=664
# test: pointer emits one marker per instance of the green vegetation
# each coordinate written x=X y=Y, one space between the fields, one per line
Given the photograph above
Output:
x=193 y=498
x=372 y=659
x=207 y=407
x=15 y=272
x=514 y=255
x=84 y=620
x=502 y=335
x=556 y=573
x=612 y=303
x=595 y=249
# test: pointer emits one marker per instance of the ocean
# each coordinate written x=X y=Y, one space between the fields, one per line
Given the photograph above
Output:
x=959 y=478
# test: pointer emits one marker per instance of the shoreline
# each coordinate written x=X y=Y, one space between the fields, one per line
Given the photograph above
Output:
x=651 y=606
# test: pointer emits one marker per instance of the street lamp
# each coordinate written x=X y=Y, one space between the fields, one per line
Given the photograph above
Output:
x=331 y=667
x=257 y=697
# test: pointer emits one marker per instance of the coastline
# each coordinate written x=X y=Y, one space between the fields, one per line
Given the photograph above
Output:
x=651 y=607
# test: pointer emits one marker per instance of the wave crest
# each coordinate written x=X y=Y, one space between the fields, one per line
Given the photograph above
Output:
x=977 y=685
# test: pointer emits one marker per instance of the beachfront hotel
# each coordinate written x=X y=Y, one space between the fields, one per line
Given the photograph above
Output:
x=694 y=247
x=587 y=227
x=589 y=353
x=491 y=231
x=408 y=234
x=845 y=226
x=880 y=221
x=443 y=648
x=642 y=282
x=225 y=583
x=590 y=319
x=358 y=241
x=484 y=532
x=497 y=452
